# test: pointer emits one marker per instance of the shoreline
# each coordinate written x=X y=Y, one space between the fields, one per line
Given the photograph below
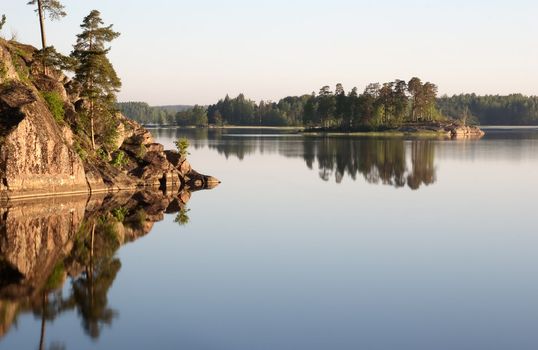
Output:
x=424 y=130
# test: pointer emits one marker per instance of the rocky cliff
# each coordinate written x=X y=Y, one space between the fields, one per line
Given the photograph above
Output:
x=44 y=150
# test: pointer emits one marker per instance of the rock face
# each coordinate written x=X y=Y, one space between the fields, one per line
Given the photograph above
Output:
x=41 y=155
x=35 y=158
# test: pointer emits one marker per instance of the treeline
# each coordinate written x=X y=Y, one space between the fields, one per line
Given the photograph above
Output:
x=377 y=107
x=146 y=114
x=515 y=109
x=386 y=105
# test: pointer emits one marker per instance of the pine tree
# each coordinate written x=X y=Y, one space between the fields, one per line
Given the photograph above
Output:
x=93 y=71
x=55 y=10
x=2 y=21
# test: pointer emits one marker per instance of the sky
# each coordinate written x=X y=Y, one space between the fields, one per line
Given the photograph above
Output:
x=195 y=52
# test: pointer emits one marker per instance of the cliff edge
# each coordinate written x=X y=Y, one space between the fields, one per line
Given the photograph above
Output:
x=44 y=149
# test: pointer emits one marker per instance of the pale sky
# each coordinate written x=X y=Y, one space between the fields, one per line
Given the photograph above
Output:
x=194 y=52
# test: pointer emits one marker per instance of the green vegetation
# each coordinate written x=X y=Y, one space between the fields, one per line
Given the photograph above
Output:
x=196 y=116
x=119 y=160
x=379 y=107
x=56 y=278
x=182 y=217
x=182 y=145
x=95 y=74
x=55 y=104
x=2 y=21
x=55 y=10
x=102 y=154
x=513 y=109
x=146 y=114
x=82 y=153
x=120 y=213
x=53 y=59
x=20 y=67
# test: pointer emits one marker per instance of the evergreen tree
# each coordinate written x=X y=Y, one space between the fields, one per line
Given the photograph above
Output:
x=2 y=21
x=415 y=89
x=94 y=72
x=55 y=10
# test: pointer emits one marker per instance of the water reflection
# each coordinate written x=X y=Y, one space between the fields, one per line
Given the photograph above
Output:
x=386 y=161
x=44 y=244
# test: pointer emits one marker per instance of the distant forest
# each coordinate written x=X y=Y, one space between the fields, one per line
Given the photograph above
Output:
x=515 y=109
x=146 y=114
x=377 y=107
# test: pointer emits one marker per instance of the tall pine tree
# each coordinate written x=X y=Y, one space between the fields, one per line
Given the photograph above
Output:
x=94 y=72
x=55 y=10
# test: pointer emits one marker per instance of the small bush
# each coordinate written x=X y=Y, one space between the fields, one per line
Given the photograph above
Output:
x=101 y=153
x=119 y=160
x=56 y=105
x=142 y=151
x=80 y=151
x=182 y=145
x=120 y=213
x=182 y=217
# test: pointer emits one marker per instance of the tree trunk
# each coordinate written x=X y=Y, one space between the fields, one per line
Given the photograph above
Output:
x=91 y=125
x=43 y=321
x=43 y=38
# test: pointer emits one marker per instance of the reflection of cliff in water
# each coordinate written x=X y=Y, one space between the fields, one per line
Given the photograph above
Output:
x=43 y=244
x=389 y=161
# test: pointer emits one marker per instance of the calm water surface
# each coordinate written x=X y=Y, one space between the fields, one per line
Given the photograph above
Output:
x=313 y=243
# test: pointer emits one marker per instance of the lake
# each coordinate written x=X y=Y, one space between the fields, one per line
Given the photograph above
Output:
x=309 y=242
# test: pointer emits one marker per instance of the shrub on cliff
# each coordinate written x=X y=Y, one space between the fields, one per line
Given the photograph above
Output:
x=55 y=104
x=182 y=145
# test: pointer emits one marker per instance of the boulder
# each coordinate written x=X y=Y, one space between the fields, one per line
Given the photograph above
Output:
x=185 y=167
x=155 y=147
x=173 y=158
x=47 y=84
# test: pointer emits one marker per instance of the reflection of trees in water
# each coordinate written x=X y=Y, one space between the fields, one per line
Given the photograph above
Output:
x=87 y=256
x=422 y=160
x=90 y=295
x=390 y=161
x=380 y=161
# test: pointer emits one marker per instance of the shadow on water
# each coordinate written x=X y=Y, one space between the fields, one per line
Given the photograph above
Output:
x=48 y=245
x=386 y=161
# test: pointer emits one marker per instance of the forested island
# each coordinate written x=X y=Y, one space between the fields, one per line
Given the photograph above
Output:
x=379 y=106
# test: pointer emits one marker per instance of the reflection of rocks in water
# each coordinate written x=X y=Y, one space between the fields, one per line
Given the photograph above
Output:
x=34 y=236
x=44 y=243
x=380 y=161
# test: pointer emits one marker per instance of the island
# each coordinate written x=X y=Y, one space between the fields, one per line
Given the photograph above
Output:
x=398 y=107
